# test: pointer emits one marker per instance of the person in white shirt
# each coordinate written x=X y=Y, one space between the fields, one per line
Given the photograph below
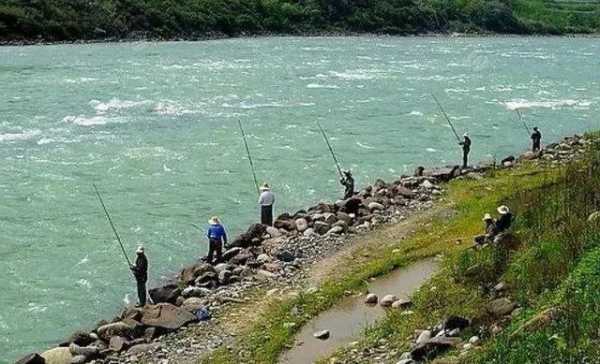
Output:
x=266 y=201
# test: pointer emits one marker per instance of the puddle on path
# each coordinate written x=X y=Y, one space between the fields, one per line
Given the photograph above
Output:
x=347 y=320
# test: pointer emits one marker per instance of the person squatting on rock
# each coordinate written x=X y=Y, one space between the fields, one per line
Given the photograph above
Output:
x=140 y=271
x=216 y=238
x=466 y=147
x=490 y=230
x=505 y=220
x=266 y=201
x=348 y=182
x=536 y=138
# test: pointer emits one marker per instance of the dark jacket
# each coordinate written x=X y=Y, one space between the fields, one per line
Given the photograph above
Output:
x=504 y=222
x=140 y=269
x=348 y=182
x=536 y=136
x=466 y=144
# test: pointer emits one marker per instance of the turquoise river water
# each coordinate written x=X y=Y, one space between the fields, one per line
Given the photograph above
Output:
x=154 y=125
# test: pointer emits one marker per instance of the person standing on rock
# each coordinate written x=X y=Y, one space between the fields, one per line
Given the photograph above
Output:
x=216 y=238
x=140 y=271
x=536 y=138
x=266 y=201
x=466 y=147
x=348 y=182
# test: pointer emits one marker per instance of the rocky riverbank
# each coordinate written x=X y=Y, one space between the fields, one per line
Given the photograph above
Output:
x=185 y=320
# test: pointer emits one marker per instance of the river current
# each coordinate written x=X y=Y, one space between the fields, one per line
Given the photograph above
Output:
x=154 y=125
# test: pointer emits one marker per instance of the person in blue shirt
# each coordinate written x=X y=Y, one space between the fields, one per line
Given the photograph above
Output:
x=216 y=238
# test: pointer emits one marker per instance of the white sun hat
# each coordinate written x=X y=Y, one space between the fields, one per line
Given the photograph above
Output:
x=503 y=210
x=214 y=220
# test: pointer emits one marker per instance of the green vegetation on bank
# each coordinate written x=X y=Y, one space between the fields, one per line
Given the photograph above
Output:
x=554 y=274
x=57 y=20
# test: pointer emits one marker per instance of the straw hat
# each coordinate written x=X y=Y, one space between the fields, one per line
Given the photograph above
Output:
x=140 y=250
x=487 y=217
x=214 y=220
x=265 y=187
x=503 y=210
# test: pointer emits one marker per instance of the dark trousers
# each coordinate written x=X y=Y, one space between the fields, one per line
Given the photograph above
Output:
x=536 y=146
x=214 y=246
x=141 y=291
x=465 y=158
x=266 y=215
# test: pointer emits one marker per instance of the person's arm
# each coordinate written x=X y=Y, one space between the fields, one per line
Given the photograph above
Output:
x=224 y=236
x=208 y=232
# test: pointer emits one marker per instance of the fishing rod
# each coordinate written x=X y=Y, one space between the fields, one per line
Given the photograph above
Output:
x=197 y=227
x=249 y=156
x=337 y=164
x=446 y=116
x=111 y=224
x=523 y=121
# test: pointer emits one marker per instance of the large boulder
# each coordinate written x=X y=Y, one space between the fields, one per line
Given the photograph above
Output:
x=351 y=205
x=120 y=328
x=167 y=293
x=404 y=192
x=192 y=304
x=86 y=351
x=31 y=359
x=387 y=300
x=230 y=253
x=456 y=322
x=242 y=257
x=192 y=291
x=189 y=274
x=432 y=347
x=166 y=316
x=446 y=174
x=501 y=307
x=289 y=225
x=81 y=338
x=301 y=224
x=57 y=356
x=254 y=234
x=118 y=343
x=321 y=227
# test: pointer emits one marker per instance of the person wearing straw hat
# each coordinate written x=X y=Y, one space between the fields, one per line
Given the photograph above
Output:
x=266 y=201
x=348 y=182
x=216 y=238
x=536 y=138
x=505 y=220
x=466 y=147
x=140 y=271
x=490 y=230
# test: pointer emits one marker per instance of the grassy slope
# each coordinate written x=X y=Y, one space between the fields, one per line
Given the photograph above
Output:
x=469 y=199
x=548 y=271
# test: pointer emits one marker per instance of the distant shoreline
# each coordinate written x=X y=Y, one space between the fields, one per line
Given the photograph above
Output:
x=222 y=36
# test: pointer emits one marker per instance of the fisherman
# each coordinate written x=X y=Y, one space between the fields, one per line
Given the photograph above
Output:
x=348 y=182
x=490 y=230
x=505 y=220
x=536 y=137
x=466 y=147
x=266 y=201
x=140 y=271
x=216 y=238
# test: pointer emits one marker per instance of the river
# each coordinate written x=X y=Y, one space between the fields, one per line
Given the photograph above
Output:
x=154 y=125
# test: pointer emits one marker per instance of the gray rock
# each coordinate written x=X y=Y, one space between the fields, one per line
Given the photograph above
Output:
x=322 y=335
x=57 y=356
x=371 y=299
x=423 y=337
x=263 y=258
x=224 y=277
x=321 y=227
x=301 y=225
x=375 y=206
x=285 y=256
x=192 y=304
x=273 y=232
x=195 y=292
x=118 y=343
x=402 y=303
x=166 y=316
x=230 y=253
x=387 y=300
x=83 y=350
x=167 y=293
x=79 y=359
x=33 y=358
x=115 y=329
x=309 y=232
x=335 y=230
x=329 y=218
x=501 y=307
x=142 y=348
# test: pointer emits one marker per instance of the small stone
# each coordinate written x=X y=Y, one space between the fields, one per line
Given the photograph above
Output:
x=322 y=335
x=474 y=340
x=423 y=337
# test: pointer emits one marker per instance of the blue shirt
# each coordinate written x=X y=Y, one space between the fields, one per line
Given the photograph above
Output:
x=217 y=232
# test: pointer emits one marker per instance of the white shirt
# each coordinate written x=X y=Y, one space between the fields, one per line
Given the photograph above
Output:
x=267 y=198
